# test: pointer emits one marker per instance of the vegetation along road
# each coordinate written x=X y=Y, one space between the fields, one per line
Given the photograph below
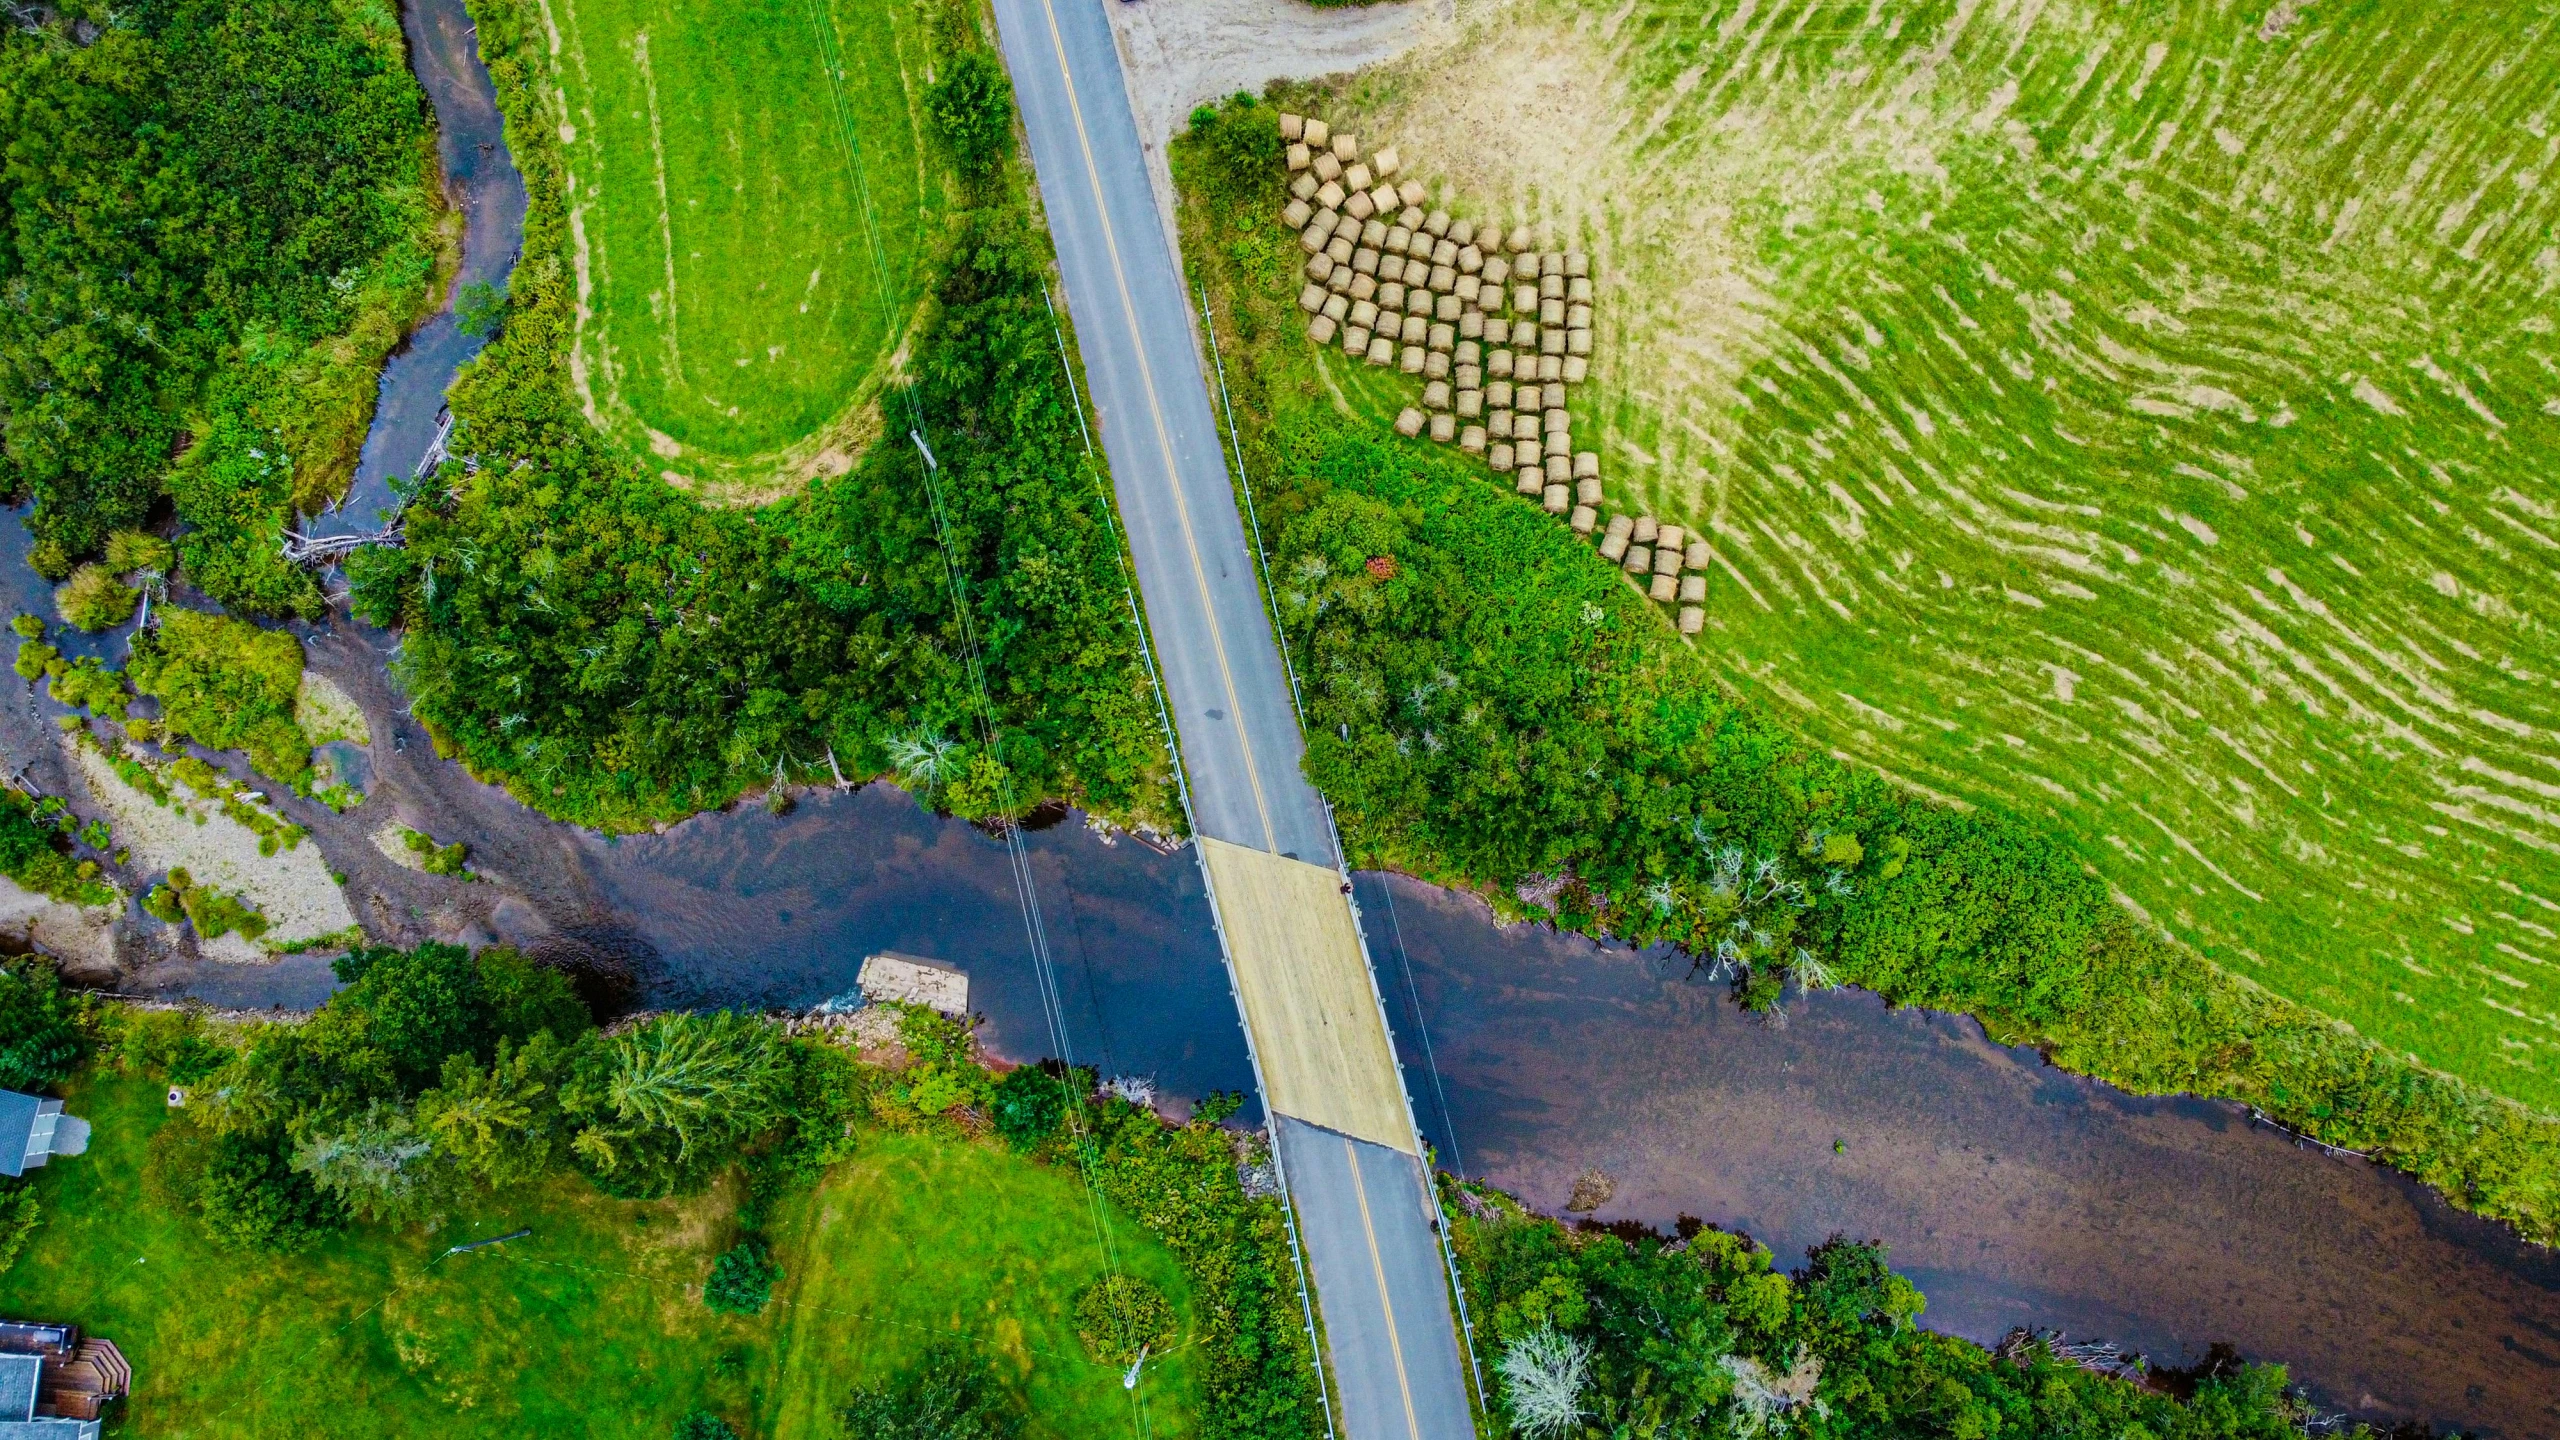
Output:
x=1366 y=1223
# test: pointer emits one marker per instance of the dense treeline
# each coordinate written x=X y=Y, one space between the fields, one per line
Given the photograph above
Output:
x=616 y=653
x=1495 y=707
x=216 y=217
x=1590 y=1334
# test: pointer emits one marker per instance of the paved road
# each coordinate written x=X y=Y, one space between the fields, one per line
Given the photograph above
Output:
x=1363 y=1216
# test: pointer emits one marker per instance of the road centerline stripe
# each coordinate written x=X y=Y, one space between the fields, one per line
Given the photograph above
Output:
x=1164 y=442
x=1378 y=1267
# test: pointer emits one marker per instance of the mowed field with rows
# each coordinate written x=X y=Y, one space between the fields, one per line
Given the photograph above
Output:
x=2139 y=416
x=722 y=154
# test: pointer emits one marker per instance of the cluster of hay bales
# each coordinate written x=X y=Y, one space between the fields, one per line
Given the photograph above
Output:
x=1495 y=324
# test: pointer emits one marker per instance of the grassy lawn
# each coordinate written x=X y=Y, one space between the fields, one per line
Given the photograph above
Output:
x=722 y=157
x=588 y=1326
x=877 y=1283
x=2140 y=418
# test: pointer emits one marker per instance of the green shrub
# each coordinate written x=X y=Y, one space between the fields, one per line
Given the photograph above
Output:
x=132 y=551
x=227 y=685
x=972 y=105
x=94 y=599
x=742 y=1279
x=433 y=858
x=27 y=626
x=703 y=1425
x=1119 y=1316
x=480 y=310
x=1029 y=1105
x=950 y=1396
x=87 y=684
x=239 y=1186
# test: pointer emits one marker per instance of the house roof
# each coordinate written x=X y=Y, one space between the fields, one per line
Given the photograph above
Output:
x=17 y=1127
x=18 y=1376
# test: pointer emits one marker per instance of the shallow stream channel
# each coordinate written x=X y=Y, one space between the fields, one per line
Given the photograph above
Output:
x=2013 y=1193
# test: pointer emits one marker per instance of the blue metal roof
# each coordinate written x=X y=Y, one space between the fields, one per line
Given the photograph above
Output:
x=17 y=1127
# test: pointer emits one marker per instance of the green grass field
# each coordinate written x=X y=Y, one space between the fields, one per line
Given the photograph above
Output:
x=721 y=159
x=2137 y=416
x=587 y=1327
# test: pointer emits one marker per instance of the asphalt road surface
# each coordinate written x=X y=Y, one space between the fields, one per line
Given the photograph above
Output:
x=1364 y=1220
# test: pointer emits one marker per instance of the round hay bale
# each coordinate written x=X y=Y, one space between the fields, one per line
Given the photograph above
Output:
x=1587 y=489
x=1498 y=455
x=1470 y=260
x=1497 y=271
x=1577 y=342
x=1693 y=619
x=1524 y=334
x=1327 y=168
x=1384 y=197
x=1358 y=177
x=1296 y=214
x=1382 y=351
x=1463 y=231
x=1586 y=465
x=1529 y=483
x=1662 y=589
x=1470 y=401
x=1390 y=294
x=1317 y=133
x=1517 y=240
x=1470 y=373
x=1525 y=448
x=1346 y=149
x=1320 y=329
x=1421 y=246
x=1525 y=265
x=1409 y=424
x=1577 y=317
x=1699 y=556
x=1414 y=355
x=1320 y=267
x=1470 y=326
x=1693 y=588
x=1339 y=280
x=1471 y=439
x=1622 y=525
x=1359 y=206
x=1550 y=367
x=1558 y=500
x=1647 y=530
x=1437 y=222
x=1578 y=289
x=1435 y=365
x=1559 y=421
x=1411 y=214
x=1364 y=261
x=1551 y=342
x=1313 y=238
x=1559 y=469
x=1311 y=299
x=1373 y=233
x=1392 y=266
x=1398 y=238
x=1639 y=559
x=1355 y=342
x=1551 y=396
x=1330 y=195
x=1385 y=161
x=1418 y=301
x=1448 y=308
x=1468 y=290
x=1613 y=546
x=1337 y=306
x=1584 y=518
x=1551 y=313
x=1577 y=368
x=1497 y=393
x=1443 y=336
x=1293 y=128
x=1497 y=363
x=1299 y=158
x=1666 y=562
x=1412 y=192
x=1412 y=330
x=1444 y=428
x=1339 y=247
x=1524 y=299
x=1445 y=253
x=1305 y=186
x=1577 y=265
x=1670 y=537
x=1364 y=313
x=1363 y=287
x=1499 y=421
x=1444 y=278
x=1550 y=287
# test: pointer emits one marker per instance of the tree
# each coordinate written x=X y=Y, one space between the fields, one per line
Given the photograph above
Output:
x=94 y=599
x=742 y=1279
x=39 y=1031
x=1120 y=1316
x=500 y=1123
x=972 y=104
x=1544 y=1374
x=381 y=1165
x=655 y=1102
x=704 y=1425
x=1030 y=1103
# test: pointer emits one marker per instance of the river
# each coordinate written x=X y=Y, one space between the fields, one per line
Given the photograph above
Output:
x=2013 y=1193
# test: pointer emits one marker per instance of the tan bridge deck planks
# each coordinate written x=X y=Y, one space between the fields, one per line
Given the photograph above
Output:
x=1307 y=996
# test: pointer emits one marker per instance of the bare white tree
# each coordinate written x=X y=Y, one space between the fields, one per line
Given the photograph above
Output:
x=1545 y=1374
x=1762 y=1401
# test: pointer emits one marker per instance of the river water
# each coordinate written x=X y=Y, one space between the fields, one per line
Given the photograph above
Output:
x=2013 y=1193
